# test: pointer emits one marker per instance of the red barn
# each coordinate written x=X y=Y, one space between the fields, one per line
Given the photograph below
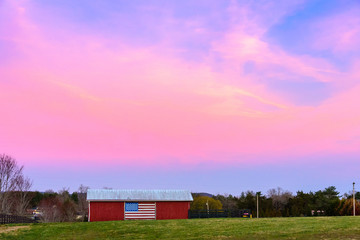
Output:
x=111 y=205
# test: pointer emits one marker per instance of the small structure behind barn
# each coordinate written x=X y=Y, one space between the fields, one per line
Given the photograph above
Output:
x=111 y=204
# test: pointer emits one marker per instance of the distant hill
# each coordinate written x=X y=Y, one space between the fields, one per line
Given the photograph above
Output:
x=202 y=194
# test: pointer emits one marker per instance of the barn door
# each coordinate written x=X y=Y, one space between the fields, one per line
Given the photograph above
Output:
x=140 y=210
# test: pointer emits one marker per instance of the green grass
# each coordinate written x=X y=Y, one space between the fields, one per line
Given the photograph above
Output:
x=235 y=228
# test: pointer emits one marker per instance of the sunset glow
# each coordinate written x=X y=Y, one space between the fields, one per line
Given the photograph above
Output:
x=149 y=94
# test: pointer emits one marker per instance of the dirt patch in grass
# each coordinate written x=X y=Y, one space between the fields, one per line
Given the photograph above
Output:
x=11 y=229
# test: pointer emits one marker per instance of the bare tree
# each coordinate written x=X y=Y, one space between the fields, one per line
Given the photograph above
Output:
x=51 y=209
x=82 y=204
x=279 y=197
x=23 y=196
x=68 y=207
x=58 y=207
x=64 y=194
x=10 y=173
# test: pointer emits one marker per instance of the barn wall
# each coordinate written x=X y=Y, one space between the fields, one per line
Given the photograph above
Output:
x=106 y=211
x=172 y=210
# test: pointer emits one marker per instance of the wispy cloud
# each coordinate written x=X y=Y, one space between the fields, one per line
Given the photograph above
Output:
x=79 y=92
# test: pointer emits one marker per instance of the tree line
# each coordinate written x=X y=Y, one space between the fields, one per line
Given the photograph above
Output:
x=61 y=206
x=16 y=198
x=280 y=203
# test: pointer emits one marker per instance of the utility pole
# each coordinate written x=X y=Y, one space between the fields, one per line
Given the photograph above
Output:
x=354 y=198
x=257 y=205
x=207 y=206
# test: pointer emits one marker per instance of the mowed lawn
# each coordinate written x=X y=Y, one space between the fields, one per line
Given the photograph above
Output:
x=235 y=228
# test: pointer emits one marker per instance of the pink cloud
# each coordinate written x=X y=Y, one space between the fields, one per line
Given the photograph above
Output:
x=79 y=98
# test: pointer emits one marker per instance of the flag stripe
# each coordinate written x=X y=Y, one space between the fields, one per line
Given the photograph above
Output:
x=144 y=211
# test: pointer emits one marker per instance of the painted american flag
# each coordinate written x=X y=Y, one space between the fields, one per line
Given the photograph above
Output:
x=141 y=210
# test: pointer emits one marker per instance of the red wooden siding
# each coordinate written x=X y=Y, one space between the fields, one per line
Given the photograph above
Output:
x=111 y=211
x=106 y=211
x=172 y=210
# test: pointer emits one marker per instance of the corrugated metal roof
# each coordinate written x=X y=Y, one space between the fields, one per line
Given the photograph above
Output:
x=138 y=195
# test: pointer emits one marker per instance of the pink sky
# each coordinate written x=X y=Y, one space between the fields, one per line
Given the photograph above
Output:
x=168 y=89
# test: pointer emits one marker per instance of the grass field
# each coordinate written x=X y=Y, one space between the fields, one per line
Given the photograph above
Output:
x=266 y=228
